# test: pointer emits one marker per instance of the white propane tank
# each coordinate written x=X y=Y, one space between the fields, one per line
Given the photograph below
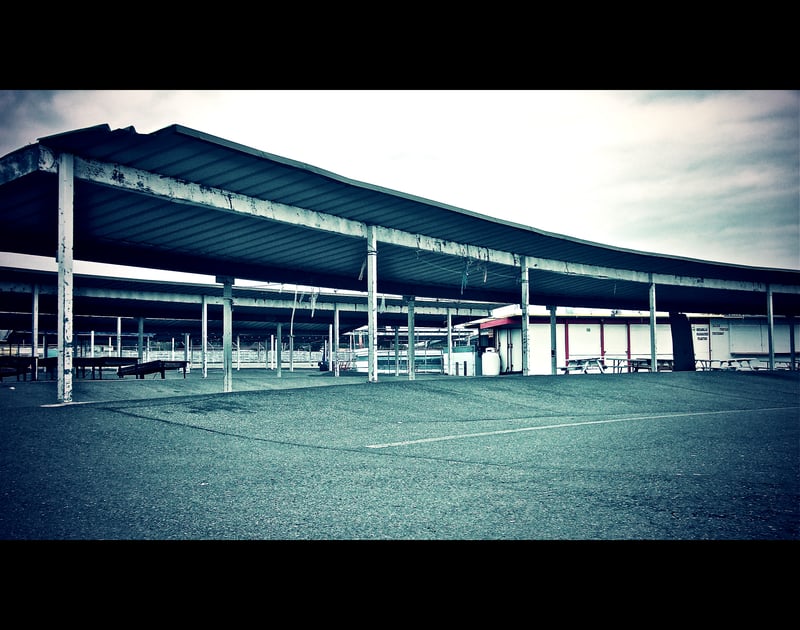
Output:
x=491 y=362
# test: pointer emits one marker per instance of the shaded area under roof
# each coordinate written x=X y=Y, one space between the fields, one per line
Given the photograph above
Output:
x=173 y=309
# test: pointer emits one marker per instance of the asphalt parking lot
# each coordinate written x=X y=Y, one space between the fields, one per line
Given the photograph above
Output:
x=667 y=456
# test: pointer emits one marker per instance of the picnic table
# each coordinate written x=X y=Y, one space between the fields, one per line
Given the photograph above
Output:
x=12 y=365
x=98 y=363
x=151 y=367
x=584 y=365
x=618 y=365
x=738 y=363
x=639 y=365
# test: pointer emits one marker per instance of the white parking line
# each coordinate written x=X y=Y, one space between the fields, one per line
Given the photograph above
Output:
x=568 y=424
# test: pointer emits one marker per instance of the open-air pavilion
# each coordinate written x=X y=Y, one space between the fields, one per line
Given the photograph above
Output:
x=181 y=200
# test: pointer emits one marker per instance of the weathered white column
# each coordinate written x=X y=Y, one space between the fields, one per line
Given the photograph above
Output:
x=524 y=298
x=449 y=342
x=227 y=333
x=91 y=344
x=186 y=350
x=653 y=336
x=770 y=329
x=330 y=348
x=140 y=340
x=204 y=334
x=35 y=334
x=66 y=200
x=412 y=358
x=119 y=336
x=372 y=300
x=278 y=349
x=553 y=341
x=335 y=348
x=238 y=353
x=397 y=350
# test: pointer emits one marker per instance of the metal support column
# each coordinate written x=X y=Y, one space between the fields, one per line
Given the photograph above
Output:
x=412 y=359
x=372 y=299
x=397 y=350
x=335 y=347
x=227 y=332
x=35 y=334
x=449 y=342
x=524 y=298
x=653 y=336
x=770 y=329
x=140 y=340
x=330 y=348
x=119 y=336
x=553 y=341
x=204 y=334
x=66 y=200
x=278 y=349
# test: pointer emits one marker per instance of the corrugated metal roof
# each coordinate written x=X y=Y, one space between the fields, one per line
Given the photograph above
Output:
x=116 y=225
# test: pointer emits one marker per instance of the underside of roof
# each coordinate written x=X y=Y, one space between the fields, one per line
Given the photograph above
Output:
x=181 y=200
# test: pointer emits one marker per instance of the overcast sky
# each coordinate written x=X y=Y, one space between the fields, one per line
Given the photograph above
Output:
x=713 y=175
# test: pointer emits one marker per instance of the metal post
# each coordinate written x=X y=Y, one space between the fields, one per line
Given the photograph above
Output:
x=653 y=341
x=449 y=342
x=227 y=333
x=553 y=341
x=204 y=334
x=770 y=329
x=335 y=348
x=66 y=188
x=330 y=347
x=412 y=359
x=397 y=350
x=279 y=348
x=140 y=340
x=372 y=299
x=35 y=334
x=524 y=297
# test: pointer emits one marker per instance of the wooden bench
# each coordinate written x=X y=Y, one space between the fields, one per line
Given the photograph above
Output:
x=151 y=367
